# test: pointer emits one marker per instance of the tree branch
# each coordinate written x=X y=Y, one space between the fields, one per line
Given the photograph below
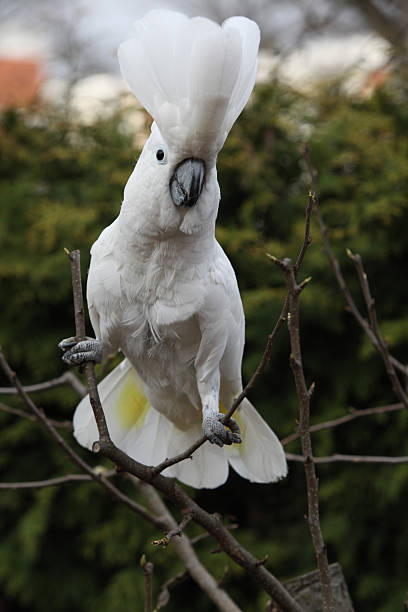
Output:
x=337 y=269
x=355 y=414
x=186 y=552
x=66 y=378
x=393 y=30
x=147 y=567
x=381 y=344
x=304 y=395
x=175 y=531
x=71 y=454
x=164 y=595
x=26 y=415
x=51 y=482
x=88 y=367
x=168 y=487
x=338 y=458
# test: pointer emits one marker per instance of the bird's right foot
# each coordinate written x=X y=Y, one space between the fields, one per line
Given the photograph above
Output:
x=76 y=353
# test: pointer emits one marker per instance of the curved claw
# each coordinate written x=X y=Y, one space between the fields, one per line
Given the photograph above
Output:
x=234 y=429
x=77 y=353
x=218 y=433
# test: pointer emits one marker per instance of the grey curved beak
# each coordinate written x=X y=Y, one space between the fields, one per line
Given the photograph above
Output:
x=187 y=182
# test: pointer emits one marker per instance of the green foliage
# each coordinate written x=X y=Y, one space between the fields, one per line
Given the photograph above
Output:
x=60 y=185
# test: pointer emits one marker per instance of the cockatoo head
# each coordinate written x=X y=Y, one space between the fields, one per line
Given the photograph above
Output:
x=194 y=77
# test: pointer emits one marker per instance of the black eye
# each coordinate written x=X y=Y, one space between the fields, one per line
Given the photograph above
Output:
x=161 y=155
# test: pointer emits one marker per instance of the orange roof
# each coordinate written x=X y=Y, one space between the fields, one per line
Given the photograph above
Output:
x=20 y=82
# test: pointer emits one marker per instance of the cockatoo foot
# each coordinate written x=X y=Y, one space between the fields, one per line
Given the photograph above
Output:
x=76 y=353
x=218 y=433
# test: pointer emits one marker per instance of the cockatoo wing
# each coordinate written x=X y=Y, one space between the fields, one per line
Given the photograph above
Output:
x=192 y=75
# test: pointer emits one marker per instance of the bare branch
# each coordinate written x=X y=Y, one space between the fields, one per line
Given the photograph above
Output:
x=52 y=482
x=203 y=536
x=176 y=531
x=68 y=378
x=186 y=552
x=187 y=454
x=89 y=369
x=17 y=412
x=355 y=414
x=307 y=237
x=71 y=454
x=337 y=458
x=164 y=595
x=147 y=567
x=105 y=367
x=337 y=269
x=30 y=417
x=381 y=344
x=392 y=29
x=304 y=395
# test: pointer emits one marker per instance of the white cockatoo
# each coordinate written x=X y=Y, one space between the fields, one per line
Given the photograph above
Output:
x=160 y=287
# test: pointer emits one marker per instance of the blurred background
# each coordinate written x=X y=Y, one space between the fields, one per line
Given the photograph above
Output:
x=332 y=73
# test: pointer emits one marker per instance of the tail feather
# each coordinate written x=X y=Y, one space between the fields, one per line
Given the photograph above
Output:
x=145 y=434
x=124 y=405
x=160 y=439
x=149 y=437
x=208 y=467
x=260 y=457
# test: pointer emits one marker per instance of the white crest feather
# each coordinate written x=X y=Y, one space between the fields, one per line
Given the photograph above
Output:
x=192 y=75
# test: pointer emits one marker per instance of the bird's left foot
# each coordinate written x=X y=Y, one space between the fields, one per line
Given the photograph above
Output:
x=218 y=433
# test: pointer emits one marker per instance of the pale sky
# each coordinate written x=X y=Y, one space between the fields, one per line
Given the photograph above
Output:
x=91 y=30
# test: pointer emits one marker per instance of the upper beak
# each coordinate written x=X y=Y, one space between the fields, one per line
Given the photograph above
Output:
x=187 y=182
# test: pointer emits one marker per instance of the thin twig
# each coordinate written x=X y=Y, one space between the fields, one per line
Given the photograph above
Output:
x=30 y=417
x=147 y=567
x=183 y=547
x=381 y=344
x=164 y=595
x=68 y=378
x=176 y=531
x=89 y=368
x=304 y=395
x=338 y=458
x=337 y=269
x=105 y=366
x=355 y=414
x=202 y=536
x=52 y=482
x=71 y=454
x=307 y=237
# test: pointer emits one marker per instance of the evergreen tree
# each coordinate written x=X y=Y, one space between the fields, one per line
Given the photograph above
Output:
x=61 y=183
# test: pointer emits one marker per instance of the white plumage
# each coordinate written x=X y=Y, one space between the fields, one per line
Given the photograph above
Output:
x=160 y=287
x=193 y=76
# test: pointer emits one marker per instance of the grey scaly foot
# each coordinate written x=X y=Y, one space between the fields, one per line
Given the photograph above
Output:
x=77 y=353
x=217 y=432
